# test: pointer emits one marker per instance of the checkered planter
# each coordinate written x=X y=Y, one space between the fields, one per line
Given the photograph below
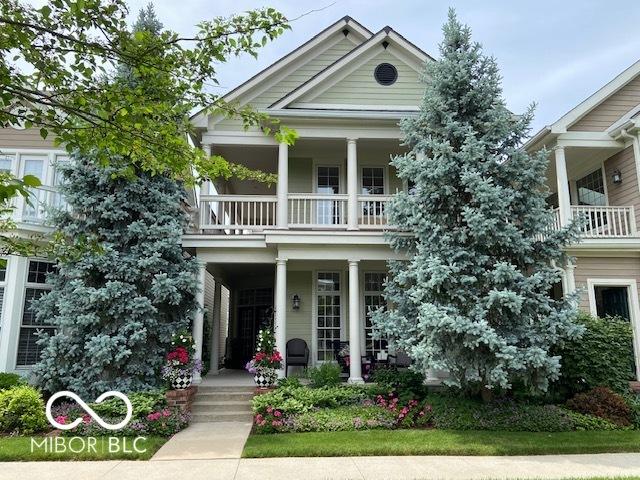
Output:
x=181 y=382
x=265 y=377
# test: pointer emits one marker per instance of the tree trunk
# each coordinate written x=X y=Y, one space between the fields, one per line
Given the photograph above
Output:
x=487 y=394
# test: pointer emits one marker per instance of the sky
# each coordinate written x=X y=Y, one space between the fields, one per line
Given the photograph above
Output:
x=553 y=53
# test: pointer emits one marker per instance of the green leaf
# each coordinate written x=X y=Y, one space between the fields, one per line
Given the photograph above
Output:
x=31 y=181
x=44 y=133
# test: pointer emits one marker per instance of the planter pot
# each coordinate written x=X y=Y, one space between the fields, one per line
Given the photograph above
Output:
x=265 y=377
x=182 y=381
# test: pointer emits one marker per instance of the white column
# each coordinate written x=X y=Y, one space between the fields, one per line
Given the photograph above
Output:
x=355 y=364
x=352 y=185
x=570 y=278
x=282 y=217
x=205 y=189
x=10 y=320
x=281 y=310
x=198 y=320
x=564 y=199
x=215 y=329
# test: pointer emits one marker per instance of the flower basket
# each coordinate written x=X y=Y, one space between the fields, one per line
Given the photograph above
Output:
x=180 y=362
x=267 y=360
x=182 y=381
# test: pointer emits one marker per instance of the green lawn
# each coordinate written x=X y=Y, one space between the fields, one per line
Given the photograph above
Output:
x=438 y=442
x=16 y=449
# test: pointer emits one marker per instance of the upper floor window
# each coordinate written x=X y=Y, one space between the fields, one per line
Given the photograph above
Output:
x=6 y=163
x=373 y=181
x=591 y=189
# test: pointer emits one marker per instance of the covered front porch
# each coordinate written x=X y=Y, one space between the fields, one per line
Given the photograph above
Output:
x=326 y=304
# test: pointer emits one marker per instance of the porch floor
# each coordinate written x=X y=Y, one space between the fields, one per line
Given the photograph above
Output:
x=228 y=378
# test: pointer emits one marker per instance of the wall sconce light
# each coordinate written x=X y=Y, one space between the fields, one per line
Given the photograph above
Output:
x=295 y=301
x=616 y=176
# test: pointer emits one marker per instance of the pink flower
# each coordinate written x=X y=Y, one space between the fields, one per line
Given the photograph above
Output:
x=269 y=409
x=61 y=419
x=166 y=412
x=259 y=418
x=277 y=413
x=86 y=419
x=154 y=416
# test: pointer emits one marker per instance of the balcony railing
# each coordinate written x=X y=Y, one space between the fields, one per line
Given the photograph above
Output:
x=41 y=201
x=605 y=222
x=317 y=211
x=248 y=213
x=237 y=212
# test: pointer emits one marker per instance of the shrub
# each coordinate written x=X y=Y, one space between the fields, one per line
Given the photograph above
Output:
x=453 y=413
x=603 y=356
x=604 y=403
x=406 y=384
x=302 y=399
x=8 y=380
x=143 y=404
x=590 y=422
x=22 y=410
x=326 y=375
x=291 y=382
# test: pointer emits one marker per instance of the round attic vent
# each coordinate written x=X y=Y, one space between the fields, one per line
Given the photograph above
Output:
x=385 y=74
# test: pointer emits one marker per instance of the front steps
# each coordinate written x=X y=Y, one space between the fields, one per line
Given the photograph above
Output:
x=222 y=404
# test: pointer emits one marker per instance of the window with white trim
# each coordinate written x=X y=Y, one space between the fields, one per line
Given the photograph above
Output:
x=372 y=181
x=6 y=163
x=373 y=299
x=28 y=349
x=329 y=314
x=591 y=189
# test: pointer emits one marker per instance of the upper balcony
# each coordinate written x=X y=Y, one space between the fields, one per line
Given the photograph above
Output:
x=322 y=185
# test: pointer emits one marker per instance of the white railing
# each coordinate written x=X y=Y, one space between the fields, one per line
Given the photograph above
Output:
x=605 y=222
x=237 y=212
x=41 y=201
x=372 y=211
x=307 y=210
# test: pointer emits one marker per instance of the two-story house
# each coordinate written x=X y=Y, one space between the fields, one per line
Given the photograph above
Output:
x=309 y=253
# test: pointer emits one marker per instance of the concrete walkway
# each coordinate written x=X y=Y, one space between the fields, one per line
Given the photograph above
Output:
x=206 y=441
x=357 y=468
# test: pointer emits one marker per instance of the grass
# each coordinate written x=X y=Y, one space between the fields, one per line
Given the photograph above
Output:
x=438 y=442
x=19 y=449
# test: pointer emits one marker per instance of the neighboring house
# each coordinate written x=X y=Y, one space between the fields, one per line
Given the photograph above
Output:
x=310 y=251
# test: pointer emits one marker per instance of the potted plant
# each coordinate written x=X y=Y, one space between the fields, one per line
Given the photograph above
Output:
x=267 y=360
x=181 y=363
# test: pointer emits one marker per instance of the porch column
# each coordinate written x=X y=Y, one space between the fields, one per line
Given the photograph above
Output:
x=198 y=320
x=205 y=189
x=281 y=310
x=282 y=217
x=352 y=185
x=564 y=199
x=215 y=327
x=355 y=364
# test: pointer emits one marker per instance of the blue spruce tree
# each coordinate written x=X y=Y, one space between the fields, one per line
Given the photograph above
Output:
x=116 y=307
x=473 y=299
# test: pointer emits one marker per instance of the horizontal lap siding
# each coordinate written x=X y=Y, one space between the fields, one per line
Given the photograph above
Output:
x=360 y=86
x=611 y=109
x=603 y=267
x=625 y=193
x=299 y=321
x=28 y=139
x=224 y=322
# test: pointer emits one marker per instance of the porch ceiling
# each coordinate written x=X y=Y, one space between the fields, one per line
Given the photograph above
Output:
x=580 y=162
x=235 y=274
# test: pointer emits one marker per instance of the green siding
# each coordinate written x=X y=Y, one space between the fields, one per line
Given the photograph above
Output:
x=360 y=87
x=299 y=321
x=300 y=175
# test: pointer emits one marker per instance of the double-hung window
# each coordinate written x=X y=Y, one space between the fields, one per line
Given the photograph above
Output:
x=329 y=314
x=373 y=299
x=28 y=349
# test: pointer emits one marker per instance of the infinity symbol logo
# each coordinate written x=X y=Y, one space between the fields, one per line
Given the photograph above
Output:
x=89 y=410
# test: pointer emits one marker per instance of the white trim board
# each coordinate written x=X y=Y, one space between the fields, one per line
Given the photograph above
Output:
x=634 y=307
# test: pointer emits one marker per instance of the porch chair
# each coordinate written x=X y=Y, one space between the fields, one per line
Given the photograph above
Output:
x=297 y=354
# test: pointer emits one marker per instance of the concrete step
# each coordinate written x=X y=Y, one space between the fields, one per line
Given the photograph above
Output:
x=222 y=417
x=224 y=397
x=236 y=389
x=220 y=407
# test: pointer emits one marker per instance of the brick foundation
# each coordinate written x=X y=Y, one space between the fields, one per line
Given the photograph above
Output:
x=262 y=391
x=183 y=399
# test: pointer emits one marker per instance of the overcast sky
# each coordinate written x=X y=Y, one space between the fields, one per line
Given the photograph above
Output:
x=554 y=53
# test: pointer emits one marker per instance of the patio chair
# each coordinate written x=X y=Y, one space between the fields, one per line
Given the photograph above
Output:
x=297 y=354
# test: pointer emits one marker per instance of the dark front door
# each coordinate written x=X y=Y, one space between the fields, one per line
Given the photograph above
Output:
x=255 y=311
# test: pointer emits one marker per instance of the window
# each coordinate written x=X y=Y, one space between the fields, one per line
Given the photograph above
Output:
x=612 y=301
x=328 y=183
x=591 y=189
x=373 y=181
x=34 y=165
x=6 y=163
x=28 y=350
x=329 y=314
x=373 y=288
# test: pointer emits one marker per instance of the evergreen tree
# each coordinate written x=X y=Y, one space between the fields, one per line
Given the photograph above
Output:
x=115 y=307
x=474 y=297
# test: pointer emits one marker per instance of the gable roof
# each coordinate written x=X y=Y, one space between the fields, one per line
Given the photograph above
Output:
x=387 y=34
x=345 y=22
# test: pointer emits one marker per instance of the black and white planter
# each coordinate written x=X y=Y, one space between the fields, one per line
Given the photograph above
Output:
x=265 y=377
x=182 y=381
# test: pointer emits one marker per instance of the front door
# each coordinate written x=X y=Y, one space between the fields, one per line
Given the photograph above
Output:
x=255 y=311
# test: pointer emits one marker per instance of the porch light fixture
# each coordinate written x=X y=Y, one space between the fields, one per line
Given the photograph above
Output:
x=616 y=176
x=295 y=301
